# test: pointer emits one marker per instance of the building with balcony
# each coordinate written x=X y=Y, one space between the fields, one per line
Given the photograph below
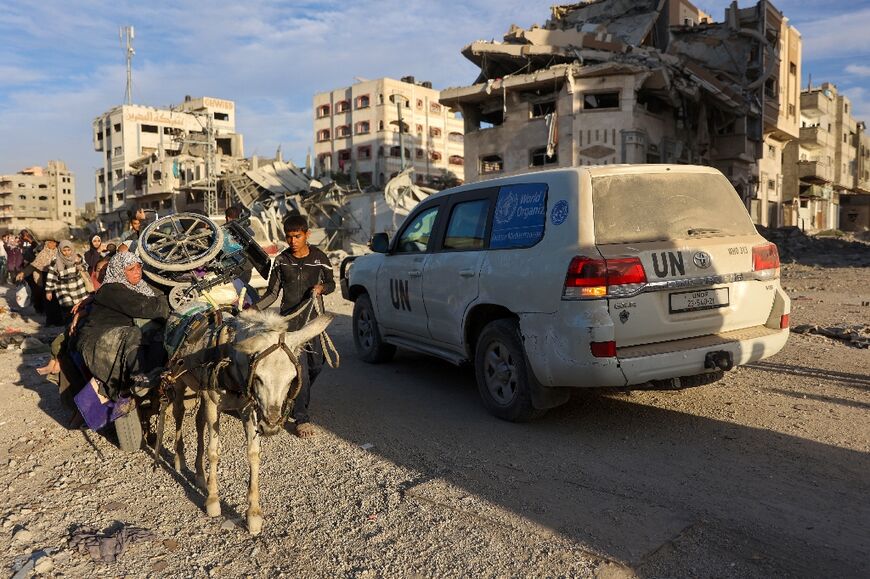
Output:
x=358 y=133
x=645 y=81
x=162 y=158
x=39 y=198
x=826 y=163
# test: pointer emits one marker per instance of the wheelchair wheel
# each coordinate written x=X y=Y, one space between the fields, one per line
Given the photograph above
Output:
x=180 y=242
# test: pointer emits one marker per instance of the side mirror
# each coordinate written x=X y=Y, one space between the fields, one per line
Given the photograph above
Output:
x=380 y=243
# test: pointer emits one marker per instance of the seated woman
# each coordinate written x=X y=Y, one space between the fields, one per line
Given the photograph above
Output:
x=115 y=349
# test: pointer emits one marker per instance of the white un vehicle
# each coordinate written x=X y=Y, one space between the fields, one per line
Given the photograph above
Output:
x=582 y=277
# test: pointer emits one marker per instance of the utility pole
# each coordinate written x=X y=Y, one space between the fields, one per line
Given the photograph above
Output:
x=126 y=34
x=399 y=102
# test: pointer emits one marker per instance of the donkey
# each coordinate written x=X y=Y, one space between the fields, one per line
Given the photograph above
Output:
x=249 y=364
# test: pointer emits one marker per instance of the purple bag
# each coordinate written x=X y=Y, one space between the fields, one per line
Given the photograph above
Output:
x=98 y=410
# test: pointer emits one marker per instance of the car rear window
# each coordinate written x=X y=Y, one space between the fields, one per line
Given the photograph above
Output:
x=652 y=207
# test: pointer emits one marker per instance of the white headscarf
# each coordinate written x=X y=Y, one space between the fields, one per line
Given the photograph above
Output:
x=115 y=273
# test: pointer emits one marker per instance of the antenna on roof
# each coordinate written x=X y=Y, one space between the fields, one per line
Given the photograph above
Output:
x=126 y=35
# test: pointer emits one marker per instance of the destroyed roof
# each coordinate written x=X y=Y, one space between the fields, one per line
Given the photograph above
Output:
x=279 y=177
x=628 y=20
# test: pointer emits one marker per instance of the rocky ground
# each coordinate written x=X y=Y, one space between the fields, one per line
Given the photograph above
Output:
x=763 y=474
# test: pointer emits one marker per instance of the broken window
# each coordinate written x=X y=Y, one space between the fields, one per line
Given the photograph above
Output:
x=363 y=101
x=455 y=137
x=149 y=128
x=364 y=153
x=342 y=131
x=322 y=111
x=491 y=164
x=419 y=129
x=435 y=156
x=224 y=146
x=434 y=132
x=601 y=100
x=342 y=106
x=363 y=128
x=380 y=125
x=343 y=159
x=419 y=104
x=419 y=153
x=456 y=160
x=397 y=152
x=222 y=116
x=792 y=68
x=539 y=158
x=323 y=135
x=542 y=109
x=364 y=179
x=653 y=105
x=117 y=127
x=435 y=108
x=770 y=88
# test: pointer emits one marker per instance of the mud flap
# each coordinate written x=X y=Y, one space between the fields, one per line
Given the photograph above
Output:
x=129 y=430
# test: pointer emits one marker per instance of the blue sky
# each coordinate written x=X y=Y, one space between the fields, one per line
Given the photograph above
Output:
x=61 y=63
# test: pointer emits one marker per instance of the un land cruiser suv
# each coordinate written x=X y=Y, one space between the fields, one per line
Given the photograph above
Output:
x=579 y=277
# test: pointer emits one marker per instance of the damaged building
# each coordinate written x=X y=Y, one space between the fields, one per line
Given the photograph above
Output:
x=638 y=81
x=163 y=159
x=827 y=170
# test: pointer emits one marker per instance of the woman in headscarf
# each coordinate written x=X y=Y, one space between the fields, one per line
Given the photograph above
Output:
x=14 y=259
x=64 y=285
x=34 y=272
x=116 y=351
x=94 y=253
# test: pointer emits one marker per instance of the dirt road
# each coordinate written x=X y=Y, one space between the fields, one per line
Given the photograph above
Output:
x=763 y=474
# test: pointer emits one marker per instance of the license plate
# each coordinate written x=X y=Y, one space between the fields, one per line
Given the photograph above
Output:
x=698 y=300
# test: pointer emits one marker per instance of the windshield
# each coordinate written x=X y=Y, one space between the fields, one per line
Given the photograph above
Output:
x=661 y=206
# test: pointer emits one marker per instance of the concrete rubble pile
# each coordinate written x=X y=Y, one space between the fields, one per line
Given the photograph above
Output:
x=794 y=244
x=343 y=219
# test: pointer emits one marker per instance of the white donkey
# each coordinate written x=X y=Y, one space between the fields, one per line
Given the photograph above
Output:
x=250 y=364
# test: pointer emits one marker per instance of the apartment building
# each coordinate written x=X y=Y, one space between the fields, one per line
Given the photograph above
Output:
x=638 y=81
x=371 y=130
x=828 y=162
x=162 y=158
x=855 y=206
x=39 y=198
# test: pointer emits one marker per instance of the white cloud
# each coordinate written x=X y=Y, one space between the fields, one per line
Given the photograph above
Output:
x=858 y=69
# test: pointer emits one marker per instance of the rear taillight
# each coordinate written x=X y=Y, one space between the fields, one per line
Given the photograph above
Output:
x=765 y=261
x=597 y=278
x=603 y=349
x=783 y=322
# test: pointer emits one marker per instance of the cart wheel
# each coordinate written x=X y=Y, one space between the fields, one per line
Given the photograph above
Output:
x=181 y=295
x=129 y=431
x=180 y=242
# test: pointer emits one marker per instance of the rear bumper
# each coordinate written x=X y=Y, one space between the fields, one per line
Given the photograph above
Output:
x=686 y=357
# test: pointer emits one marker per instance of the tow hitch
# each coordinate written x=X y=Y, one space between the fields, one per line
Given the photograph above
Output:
x=720 y=360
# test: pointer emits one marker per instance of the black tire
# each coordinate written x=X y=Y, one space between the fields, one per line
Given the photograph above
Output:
x=180 y=242
x=503 y=377
x=367 y=335
x=129 y=431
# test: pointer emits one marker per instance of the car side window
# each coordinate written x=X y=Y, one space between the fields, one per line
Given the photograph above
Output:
x=520 y=216
x=415 y=237
x=467 y=226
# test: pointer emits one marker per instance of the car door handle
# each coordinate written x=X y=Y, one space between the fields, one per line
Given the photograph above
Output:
x=415 y=273
x=466 y=272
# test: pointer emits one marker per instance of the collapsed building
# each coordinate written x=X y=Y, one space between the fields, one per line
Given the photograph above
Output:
x=638 y=81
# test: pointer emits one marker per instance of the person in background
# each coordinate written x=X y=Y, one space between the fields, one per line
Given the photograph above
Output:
x=135 y=230
x=3 y=261
x=111 y=249
x=94 y=253
x=14 y=259
x=303 y=274
x=64 y=284
x=34 y=274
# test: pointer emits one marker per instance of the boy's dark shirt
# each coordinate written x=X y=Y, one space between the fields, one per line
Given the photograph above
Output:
x=296 y=276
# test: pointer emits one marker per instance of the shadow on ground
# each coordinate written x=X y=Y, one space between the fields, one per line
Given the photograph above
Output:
x=626 y=480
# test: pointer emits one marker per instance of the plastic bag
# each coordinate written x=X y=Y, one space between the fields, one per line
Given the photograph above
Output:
x=22 y=295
